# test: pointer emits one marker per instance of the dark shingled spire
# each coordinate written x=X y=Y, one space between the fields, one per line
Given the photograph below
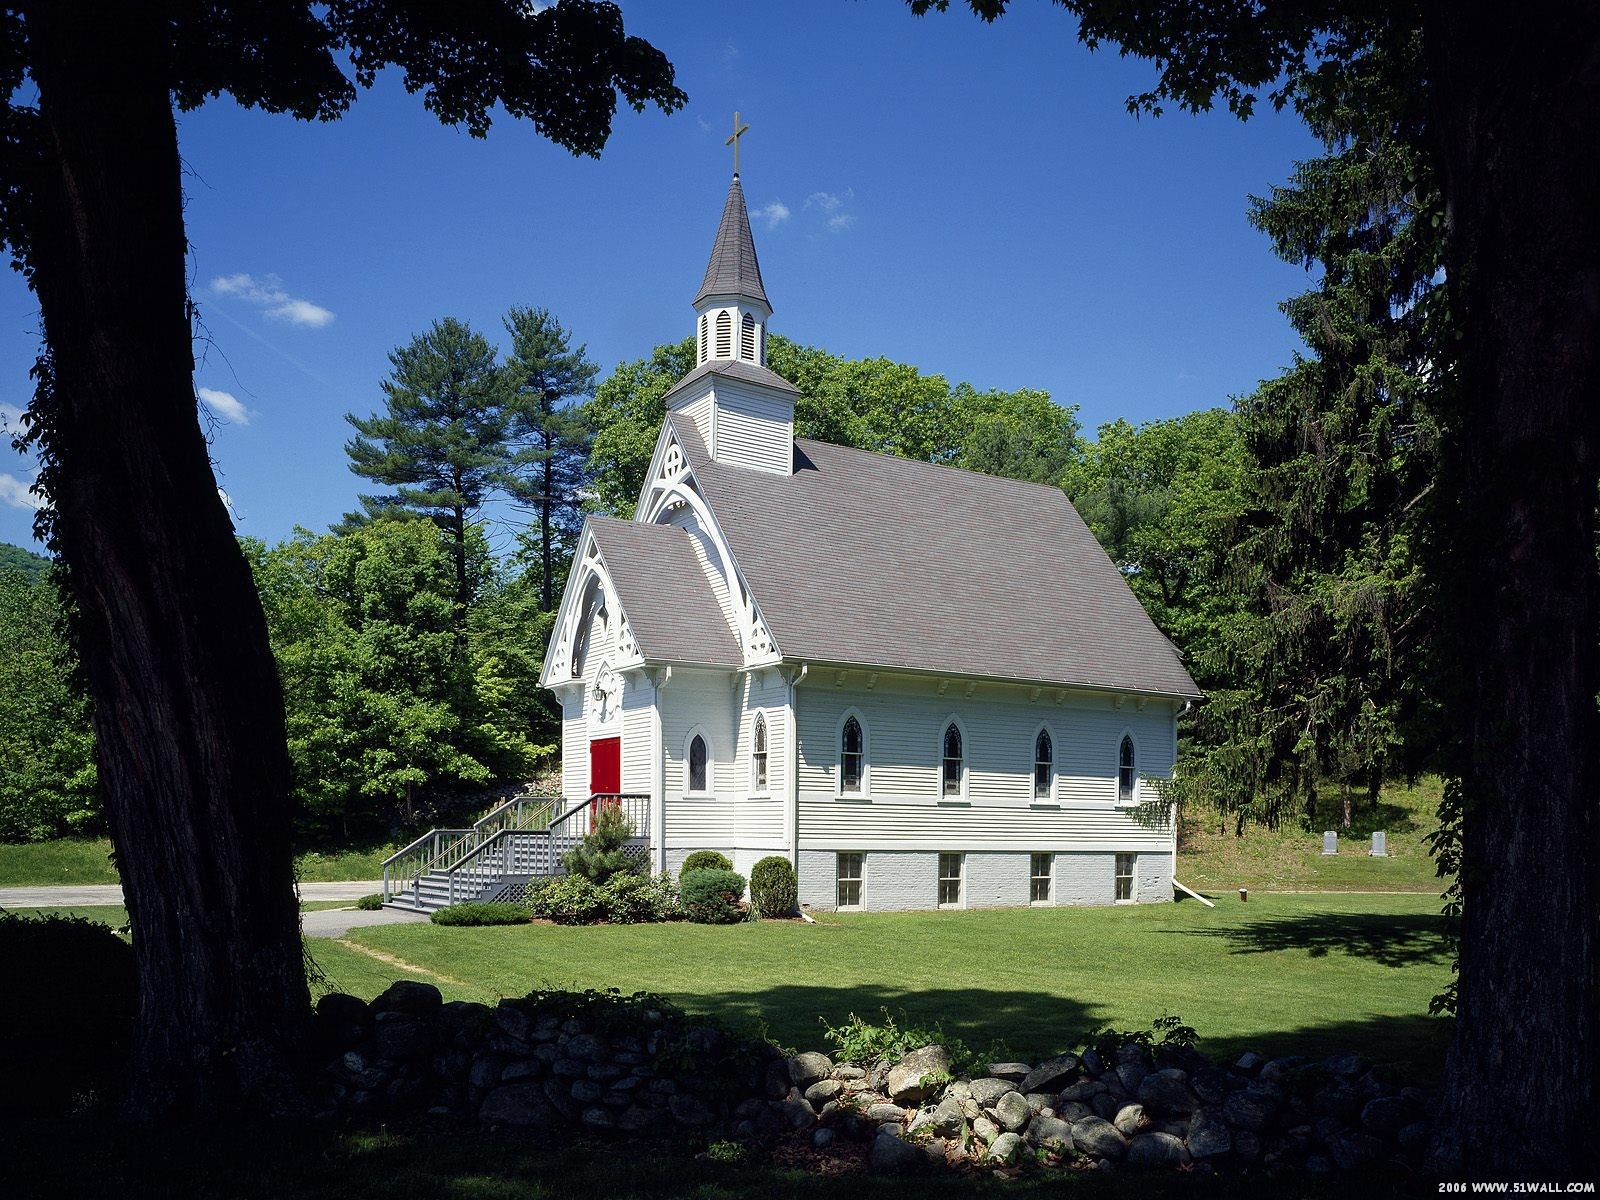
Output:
x=733 y=269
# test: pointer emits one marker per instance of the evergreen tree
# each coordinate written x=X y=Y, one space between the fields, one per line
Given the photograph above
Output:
x=549 y=468
x=442 y=443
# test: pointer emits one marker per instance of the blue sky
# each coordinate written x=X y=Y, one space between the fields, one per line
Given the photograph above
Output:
x=971 y=199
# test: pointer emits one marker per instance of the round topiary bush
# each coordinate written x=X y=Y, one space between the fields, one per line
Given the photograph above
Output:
x=370 y=903
x=68 y=1004
x=705 y=860
x=774 y=890
x=711 y=896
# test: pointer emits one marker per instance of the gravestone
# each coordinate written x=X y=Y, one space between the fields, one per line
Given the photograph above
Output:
x=1380 y=845
x=1330 y=842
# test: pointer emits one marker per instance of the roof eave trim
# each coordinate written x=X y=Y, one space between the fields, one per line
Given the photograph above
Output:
x=823 y=664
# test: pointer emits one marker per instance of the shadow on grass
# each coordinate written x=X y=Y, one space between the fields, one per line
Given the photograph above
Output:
x=1391 y=940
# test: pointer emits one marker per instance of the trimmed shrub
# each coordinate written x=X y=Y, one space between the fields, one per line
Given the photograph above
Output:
x=370 y=903
x=624 y=899
x=604 y=850
x=635 y=899
x=711 y=897
x=492 y=913
x=567 y=900
x=774 y=890
x=705 y=860
x=68 y=1005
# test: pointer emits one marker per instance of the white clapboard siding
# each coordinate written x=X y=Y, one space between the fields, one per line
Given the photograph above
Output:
x=723 y=822
x=752 y=429
x=574 y=747
x=698 y=410
x=882 y=825
x=767 y=694
x=905 y=731
x=638 y=740
x=708 y=702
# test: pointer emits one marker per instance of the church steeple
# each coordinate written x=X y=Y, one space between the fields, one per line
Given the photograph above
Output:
x=732 y=304
x=733 y=271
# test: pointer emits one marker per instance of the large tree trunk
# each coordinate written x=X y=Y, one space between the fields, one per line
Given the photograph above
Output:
x=1516 y=106
x=188 y=710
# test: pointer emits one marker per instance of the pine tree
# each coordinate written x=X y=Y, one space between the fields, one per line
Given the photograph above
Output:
x=442 y=442
x=548 y=472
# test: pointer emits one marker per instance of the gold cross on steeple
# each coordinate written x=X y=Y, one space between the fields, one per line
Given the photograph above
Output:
x=738 y=132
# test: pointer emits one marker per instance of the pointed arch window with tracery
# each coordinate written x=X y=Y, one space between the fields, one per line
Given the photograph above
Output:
x=852 y=758
x=954 y=761
x=1044 y=765
x=758 y=754
x=1127 y=776
x=699 y=763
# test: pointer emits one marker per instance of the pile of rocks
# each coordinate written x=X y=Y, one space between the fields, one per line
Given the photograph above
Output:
x=637 y=1066
x=1168 y=1108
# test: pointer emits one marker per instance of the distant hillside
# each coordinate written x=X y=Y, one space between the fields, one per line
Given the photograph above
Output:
x=30 y=564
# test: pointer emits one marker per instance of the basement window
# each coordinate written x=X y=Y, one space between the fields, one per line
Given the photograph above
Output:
x=1124 y=878
x=1041 y=874
x=850 y=868
x=950 y=871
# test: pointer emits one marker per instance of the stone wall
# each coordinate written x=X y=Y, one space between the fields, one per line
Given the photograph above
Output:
x=638 y=1067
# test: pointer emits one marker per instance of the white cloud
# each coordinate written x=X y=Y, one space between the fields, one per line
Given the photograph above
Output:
x=268 y=294
x=773 y=214
x=832 y=207
x=14 y=492
x=730 y=52
x=225 y=405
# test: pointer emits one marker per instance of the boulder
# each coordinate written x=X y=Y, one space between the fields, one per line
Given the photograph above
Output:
x=1212 y=1084
x=340 y=1009
x=1130 y=1075
x=824 y=1090
x=948 y=1119
x=1012 y=1113
x=1351 y=1150
x=1251 y=1108
x=403 y=1037
x=409 y=996
x=987 y=1091
x=1092 y=1061
x=806 y=1069
x=1015 y=1072
x=985 y=1130
x=1005 y=1148
x=1209 y=1135
x=1128 y=1118
x=1168 y=1092
x=1387 y=1115
x=849 y=1073
x=918 y=1075
x=1051 y=1133
x=1281 y=1070
x=1413 y=1139
x=1050 y=1075
x=823 y=1138
x=1106 y=1106
x=518 y=1104
x=1071 y=1111
x=1337 y=1099
x=690 y=1110
x=587 y=1047
x=884 y=1112
x=1349 y=1064
x=893 y=1155
x=1082 y=1091
x=586 y=1091
x=1157 y=1150
x=1099 y=1138
x=598 y=1118
x=1249 y=1062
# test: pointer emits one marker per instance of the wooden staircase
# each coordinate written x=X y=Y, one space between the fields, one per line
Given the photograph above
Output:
x=516 y=842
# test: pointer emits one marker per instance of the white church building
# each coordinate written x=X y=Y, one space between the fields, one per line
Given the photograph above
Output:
x=926 y=687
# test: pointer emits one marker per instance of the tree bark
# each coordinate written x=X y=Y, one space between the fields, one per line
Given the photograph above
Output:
x=188 y=708
x=1515 y=106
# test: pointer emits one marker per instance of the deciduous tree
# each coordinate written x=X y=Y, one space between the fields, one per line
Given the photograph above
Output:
x=188 y=711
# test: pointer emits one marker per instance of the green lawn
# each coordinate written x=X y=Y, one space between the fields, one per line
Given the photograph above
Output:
x=87 y=860
x=1283 y=973
x=1291 y=858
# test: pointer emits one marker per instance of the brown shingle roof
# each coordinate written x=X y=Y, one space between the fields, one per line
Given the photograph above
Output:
x=665 y=593
x=886 y=562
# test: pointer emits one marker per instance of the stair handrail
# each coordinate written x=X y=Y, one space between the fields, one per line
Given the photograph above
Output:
x=476 y=863
x=405 y=868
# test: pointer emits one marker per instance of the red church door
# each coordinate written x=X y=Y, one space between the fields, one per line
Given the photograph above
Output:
x=605 y=768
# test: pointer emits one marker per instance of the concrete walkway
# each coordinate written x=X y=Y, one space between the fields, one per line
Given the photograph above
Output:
x=111 y=893
x=332 y=922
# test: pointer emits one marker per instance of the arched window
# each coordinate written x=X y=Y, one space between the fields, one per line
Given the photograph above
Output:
x=953 y=762
x=1127 y=779
x=852 y=757
x=724 y=334
x=747 y=338
x=1044 y=765
x=705 y=336
x=697 y=764
x=758 y=755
